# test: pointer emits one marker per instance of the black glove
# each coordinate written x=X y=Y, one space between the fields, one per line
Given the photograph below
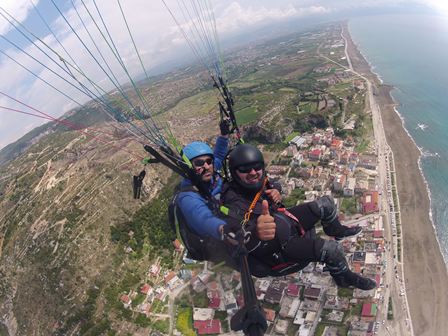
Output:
x=224 y=126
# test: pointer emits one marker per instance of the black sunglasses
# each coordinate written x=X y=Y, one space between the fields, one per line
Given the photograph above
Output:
x=201 y=162
x=248 y=168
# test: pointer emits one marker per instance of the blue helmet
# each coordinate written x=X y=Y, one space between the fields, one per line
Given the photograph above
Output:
x=196 y=149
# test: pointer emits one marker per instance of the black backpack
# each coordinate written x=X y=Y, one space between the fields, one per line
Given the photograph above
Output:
x=200 y=249
x=194 y=244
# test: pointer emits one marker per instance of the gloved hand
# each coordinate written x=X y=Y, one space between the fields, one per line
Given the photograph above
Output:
x=224 y=126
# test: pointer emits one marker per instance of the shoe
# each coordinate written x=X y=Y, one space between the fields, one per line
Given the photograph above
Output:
x=349 y=231
x=351 y=279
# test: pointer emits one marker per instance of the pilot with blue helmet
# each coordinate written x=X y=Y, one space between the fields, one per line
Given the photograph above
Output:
x=197 y=210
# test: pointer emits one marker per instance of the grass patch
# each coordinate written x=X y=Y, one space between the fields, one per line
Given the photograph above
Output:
x=200 y=300
x=342 y=329
x=246 y=115
x=349 y=206
x=292 y=330
x=345 y=292
x=390 y=311
x=291 y=136
x=362 y=146
x=142 y=321
x=162 y=325
x=184 y=322
x=138 y=300
x=296 y=195
x=356 y=310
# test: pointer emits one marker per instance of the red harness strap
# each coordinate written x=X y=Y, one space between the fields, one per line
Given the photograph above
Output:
x=294 y=218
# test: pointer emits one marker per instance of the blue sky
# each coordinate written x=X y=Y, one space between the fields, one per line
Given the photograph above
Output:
x=155 y=35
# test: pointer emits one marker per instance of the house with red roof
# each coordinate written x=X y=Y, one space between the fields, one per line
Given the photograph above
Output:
x=378 y=234
x=336 y=144
x=314 y=154
x=126 y=300
x=145 y=289
x=208 y=327
x=214 y=303
x=369 y=202
x=369 y=311
x=378 y=279
x=214 y=298
x=293 y=290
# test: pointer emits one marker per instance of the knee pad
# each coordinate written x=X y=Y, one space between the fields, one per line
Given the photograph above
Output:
x=324 y=208
x=332 y=254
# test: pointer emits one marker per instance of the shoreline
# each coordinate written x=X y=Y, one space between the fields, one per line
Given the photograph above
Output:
x=425 y=270
x=428 y=190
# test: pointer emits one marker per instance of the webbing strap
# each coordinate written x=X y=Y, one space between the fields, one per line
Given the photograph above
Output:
x=294 y=218
x=252 y=205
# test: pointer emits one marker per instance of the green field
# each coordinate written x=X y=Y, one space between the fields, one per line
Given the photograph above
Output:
x=246 y=115
x=291 y=136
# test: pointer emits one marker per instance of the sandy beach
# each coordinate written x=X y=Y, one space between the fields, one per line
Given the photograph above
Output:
x=425 y=272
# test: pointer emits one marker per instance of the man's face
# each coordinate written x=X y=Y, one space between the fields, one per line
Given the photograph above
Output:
x=203 y=166
x=250 y=174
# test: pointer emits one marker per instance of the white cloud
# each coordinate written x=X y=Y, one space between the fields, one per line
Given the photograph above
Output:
x=17 y=8
x=236 y=16
x=154 y=32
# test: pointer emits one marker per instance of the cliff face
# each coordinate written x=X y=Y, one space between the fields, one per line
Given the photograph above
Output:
x=57 y=204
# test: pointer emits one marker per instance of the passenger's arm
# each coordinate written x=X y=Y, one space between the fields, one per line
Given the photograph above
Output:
x=220 y=152
x=198 y=215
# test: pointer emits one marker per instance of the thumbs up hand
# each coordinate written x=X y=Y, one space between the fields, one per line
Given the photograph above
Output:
x=265 y=223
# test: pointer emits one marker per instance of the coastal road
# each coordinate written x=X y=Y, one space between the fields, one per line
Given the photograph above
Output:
x=400 y=324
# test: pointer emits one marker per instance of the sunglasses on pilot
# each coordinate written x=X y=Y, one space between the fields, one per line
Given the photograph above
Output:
x=248 y=168
x=200 y=162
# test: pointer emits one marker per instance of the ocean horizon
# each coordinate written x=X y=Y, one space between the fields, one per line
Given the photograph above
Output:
x=409 y=52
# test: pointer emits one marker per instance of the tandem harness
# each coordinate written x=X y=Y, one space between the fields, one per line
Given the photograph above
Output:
x=198 y=248
x=259 y=267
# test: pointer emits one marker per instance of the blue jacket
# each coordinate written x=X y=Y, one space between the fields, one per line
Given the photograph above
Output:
x=195 y=208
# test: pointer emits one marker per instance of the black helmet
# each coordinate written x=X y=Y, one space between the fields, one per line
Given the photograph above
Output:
x=245 y=155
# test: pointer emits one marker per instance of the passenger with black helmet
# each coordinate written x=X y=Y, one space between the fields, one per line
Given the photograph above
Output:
x=281 y=240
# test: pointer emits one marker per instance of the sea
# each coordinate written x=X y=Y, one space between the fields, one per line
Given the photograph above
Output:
x=410 y=52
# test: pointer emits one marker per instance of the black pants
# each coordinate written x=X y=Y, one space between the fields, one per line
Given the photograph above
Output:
x=289 y=247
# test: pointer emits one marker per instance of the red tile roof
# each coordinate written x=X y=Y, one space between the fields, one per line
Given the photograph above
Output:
x=169 y=276
x=378 y=234
x=145 y=289
x=209 y=327
x=315 y=152
x=366 y=308
x=293 y=290
x=370 y=202
x=378 y=279
x=125 y=299
x=357 y=267
x=214 y=303
x=369 y=310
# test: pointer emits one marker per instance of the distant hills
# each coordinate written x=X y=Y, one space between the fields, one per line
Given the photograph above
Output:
x=82 y=117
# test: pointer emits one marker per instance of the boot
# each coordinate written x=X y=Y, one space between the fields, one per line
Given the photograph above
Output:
x=348 y=231
x=333 y=256
x=351 y=279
